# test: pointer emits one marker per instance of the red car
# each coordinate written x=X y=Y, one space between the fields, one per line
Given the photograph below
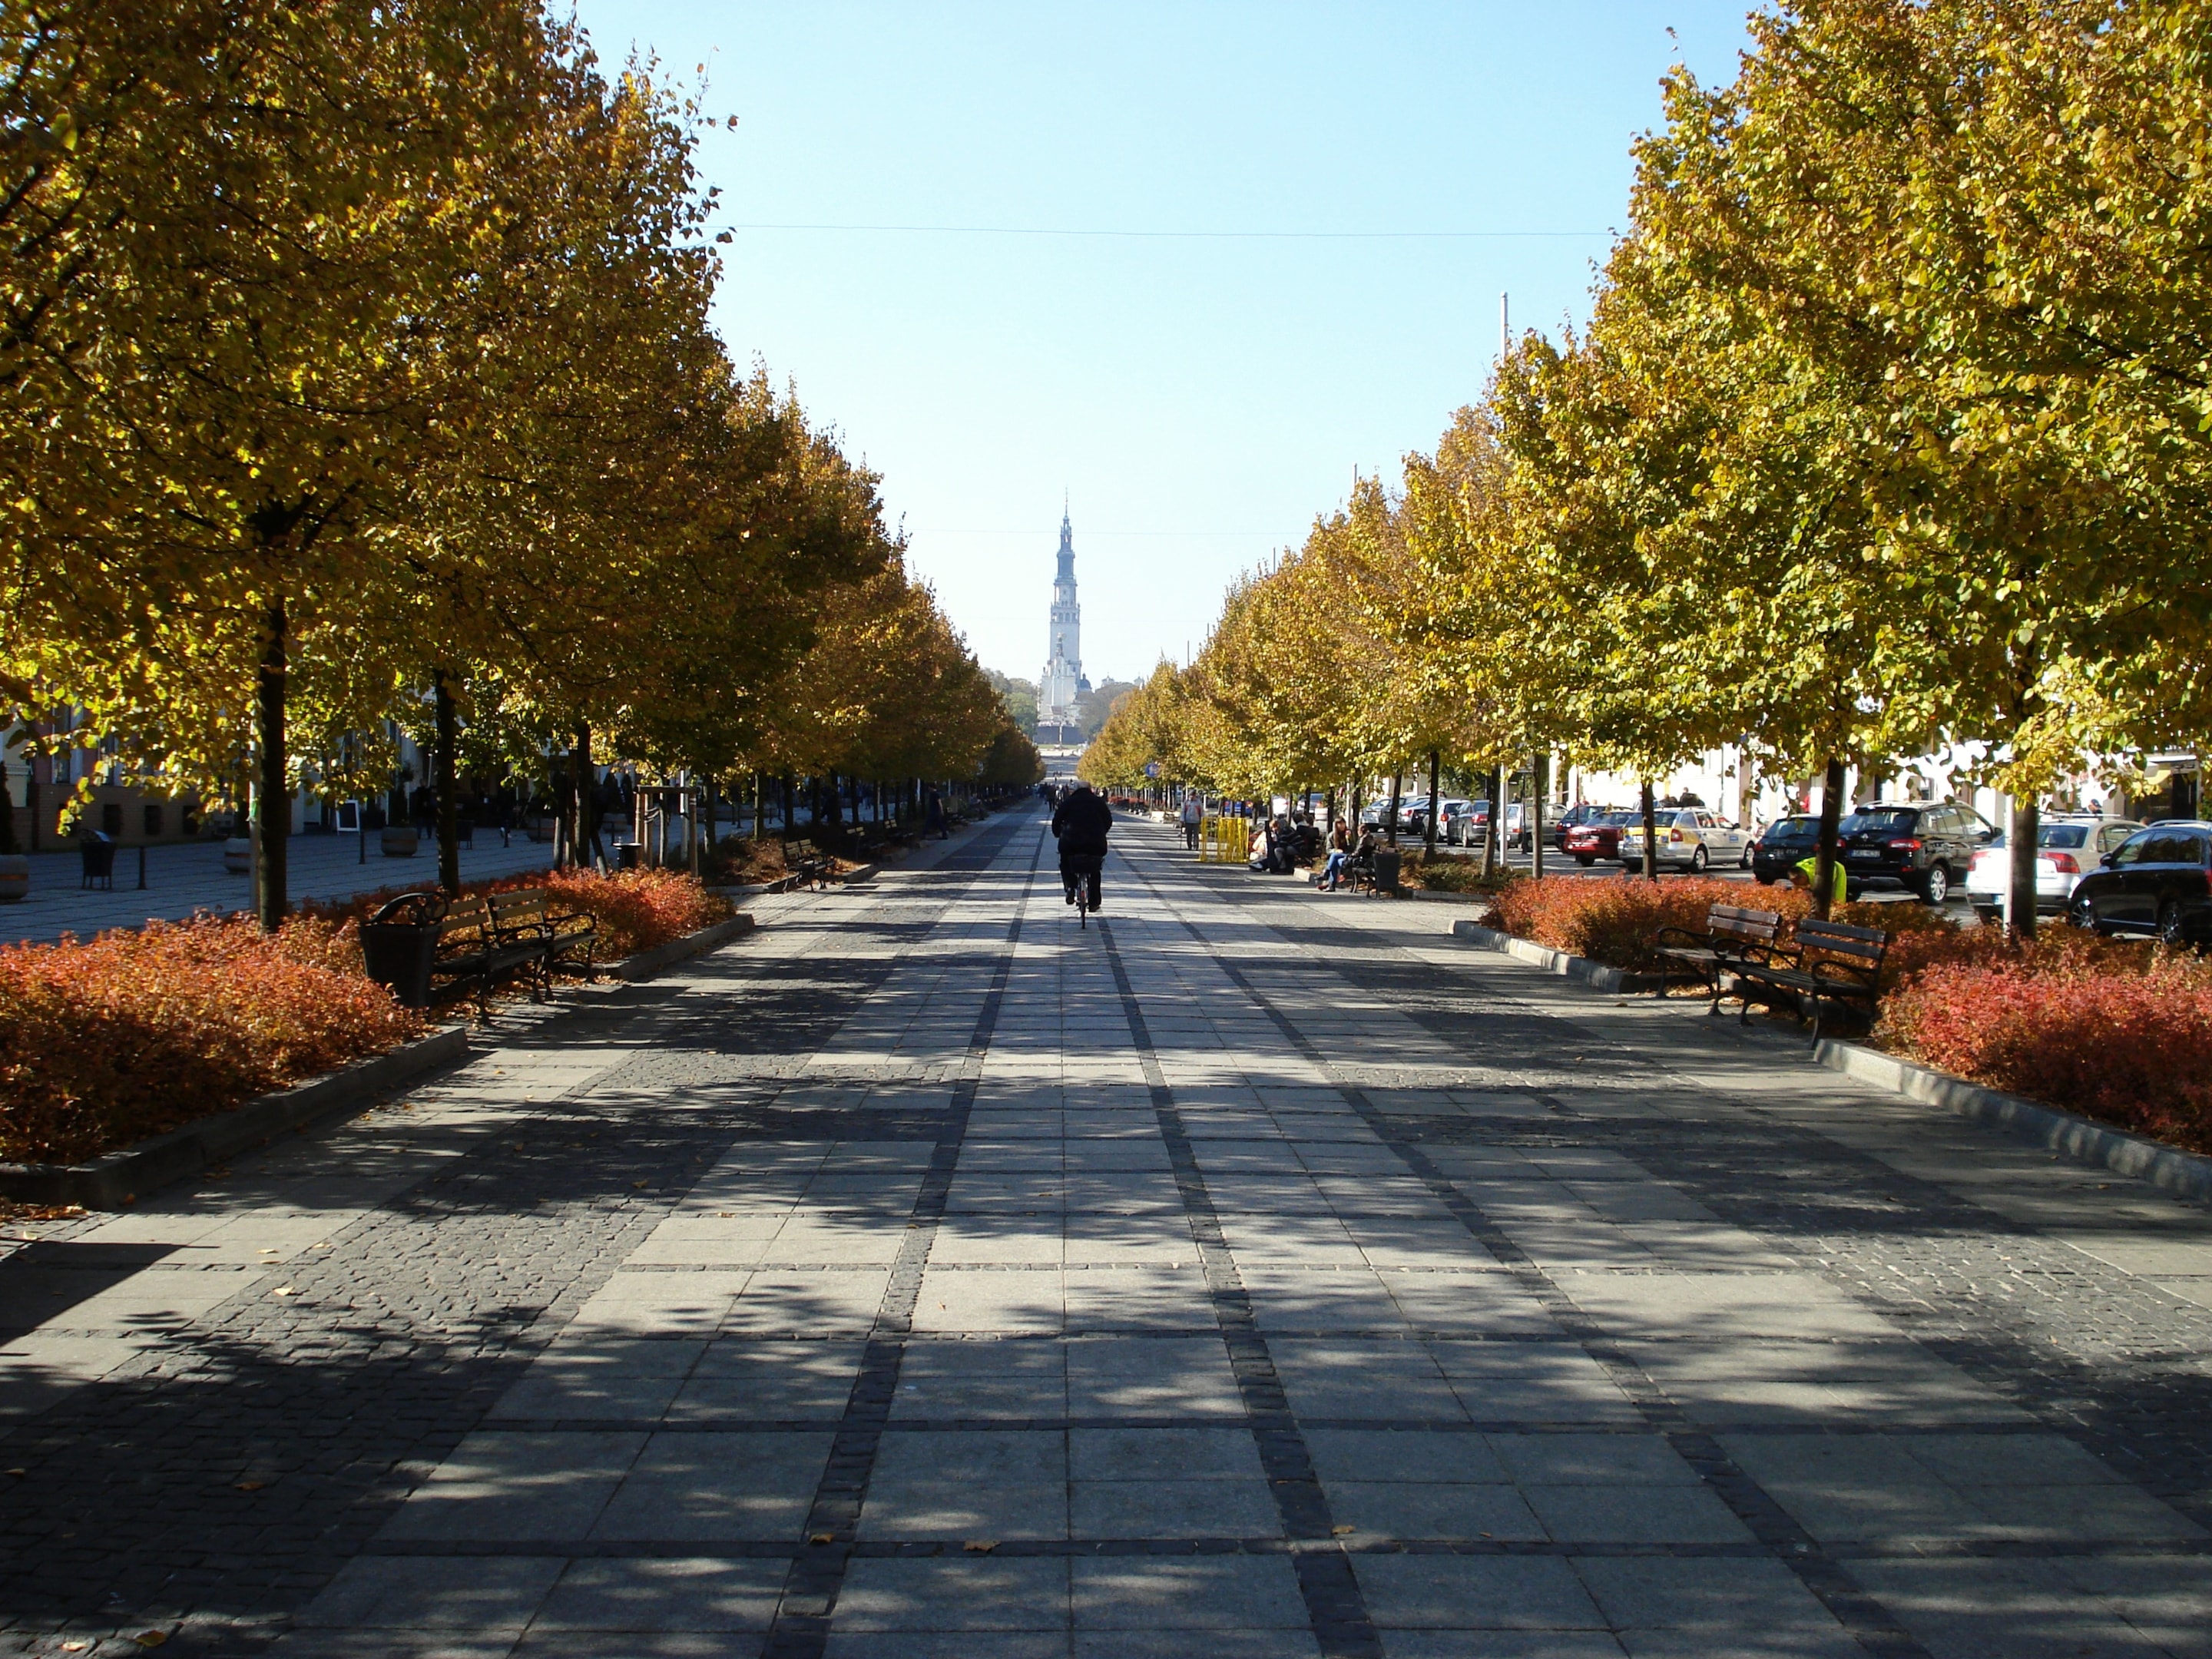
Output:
x=1600 y=838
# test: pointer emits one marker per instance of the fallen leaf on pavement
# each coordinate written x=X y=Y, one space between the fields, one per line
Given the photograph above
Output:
x=150 y=1638
x=980 y=1546
x=1341 y=1531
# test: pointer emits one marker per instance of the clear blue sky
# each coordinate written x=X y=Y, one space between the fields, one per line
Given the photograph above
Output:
x=1200 y=398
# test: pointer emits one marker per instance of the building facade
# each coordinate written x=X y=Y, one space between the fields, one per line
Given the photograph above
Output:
x=1062 y=684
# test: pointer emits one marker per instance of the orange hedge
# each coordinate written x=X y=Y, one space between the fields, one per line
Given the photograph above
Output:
x=636 y=909
x=1618 y=921
x=140 y=1030
x=2120 y=1032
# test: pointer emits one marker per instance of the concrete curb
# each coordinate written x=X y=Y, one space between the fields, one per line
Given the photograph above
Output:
x=2084 y=1140
x=109 y=1182
x=644 y=964
x=1597 y=975
x=1438 y=895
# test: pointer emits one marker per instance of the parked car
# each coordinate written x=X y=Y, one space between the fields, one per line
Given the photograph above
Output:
x=1784 y=844
x=1597 y=837
x=2158 y=882
x=1580 y=813
x=1469 y=829
x=1688 y=837
x=1924 y=849
x=2068 y=848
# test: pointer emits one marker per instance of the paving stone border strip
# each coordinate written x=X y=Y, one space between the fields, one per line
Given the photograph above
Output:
x=111 y=1181
x=1862 y=1615
x=644 y=964
x=808 y=1599
x=2186 y=1174
x=1597 y=975
x=132 y=1172
x=1336 y=1606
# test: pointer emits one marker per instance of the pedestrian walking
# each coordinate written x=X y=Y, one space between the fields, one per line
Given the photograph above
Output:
x=1193 y=814
x=936 y=820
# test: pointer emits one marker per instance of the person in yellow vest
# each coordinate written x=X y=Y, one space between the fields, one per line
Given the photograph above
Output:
x=1805 y=875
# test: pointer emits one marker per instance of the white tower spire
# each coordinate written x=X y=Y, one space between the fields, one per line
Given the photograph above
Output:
x=1062 y=682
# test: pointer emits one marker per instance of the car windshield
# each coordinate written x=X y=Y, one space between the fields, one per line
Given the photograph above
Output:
x=1789 y=828
x=1622 y=820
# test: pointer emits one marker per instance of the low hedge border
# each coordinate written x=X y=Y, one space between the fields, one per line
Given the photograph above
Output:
x=122 y=1176
x=1602 y=976
x=2184 y=1175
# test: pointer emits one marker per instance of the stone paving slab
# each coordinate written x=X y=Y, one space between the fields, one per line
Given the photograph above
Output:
x=1247 y=1274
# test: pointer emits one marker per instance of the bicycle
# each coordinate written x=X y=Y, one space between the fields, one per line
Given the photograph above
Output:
x=1077 y=872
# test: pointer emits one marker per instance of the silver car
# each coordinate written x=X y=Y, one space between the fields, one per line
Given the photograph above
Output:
x=2067 y=847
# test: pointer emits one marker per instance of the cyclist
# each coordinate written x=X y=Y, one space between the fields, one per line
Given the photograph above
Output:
x=1081 y=822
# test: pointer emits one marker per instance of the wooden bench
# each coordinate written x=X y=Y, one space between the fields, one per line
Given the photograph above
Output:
x=567 y=937
x=810 y=867
x=1733 y=938
x=472 y=957
x=1831 y=962
x=481 y=940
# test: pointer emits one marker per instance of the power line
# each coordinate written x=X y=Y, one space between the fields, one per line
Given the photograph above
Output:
x=1194 y=236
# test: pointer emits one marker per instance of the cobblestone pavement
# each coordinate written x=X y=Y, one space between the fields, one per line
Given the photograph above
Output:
x=1255 y=1273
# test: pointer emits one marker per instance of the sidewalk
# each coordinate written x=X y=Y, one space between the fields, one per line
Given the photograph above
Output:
x=189 y=877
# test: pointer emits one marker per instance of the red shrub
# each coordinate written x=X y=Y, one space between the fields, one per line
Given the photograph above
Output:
x=140 y=1030
x=636 y=909
x=1618 y=922
x=2072 y=1025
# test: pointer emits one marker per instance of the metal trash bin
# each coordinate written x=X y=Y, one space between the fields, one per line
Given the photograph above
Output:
x=98 y=851
x=399 y=943
x=1388 y=862
x=625 y=855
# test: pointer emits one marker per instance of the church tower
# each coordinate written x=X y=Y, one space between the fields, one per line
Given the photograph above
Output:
x=1063 y=681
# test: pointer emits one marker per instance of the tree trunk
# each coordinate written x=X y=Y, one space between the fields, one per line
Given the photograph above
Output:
x=1651 y=834
x=1540 y=768
x=1394 y=806
x=1832 y=812
x=272 y=799
x=784 y=784
x=2021 y=833
x=1429 y=833
x=444 y=762
x=584 y=842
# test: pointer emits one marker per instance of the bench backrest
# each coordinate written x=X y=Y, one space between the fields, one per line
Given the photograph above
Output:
x=1763 y=926
x=465 y=915
x=1863 y=947
x=518 y=909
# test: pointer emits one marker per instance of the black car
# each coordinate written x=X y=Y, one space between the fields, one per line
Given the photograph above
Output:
x=2158 y=881
x=1926 y=849
x=1782 y=845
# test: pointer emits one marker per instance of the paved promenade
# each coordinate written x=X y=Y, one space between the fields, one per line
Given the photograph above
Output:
x=186 y=877
x=1254 y=1274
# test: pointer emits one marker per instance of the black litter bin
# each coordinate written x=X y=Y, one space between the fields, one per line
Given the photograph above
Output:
x=1388 y=862
x=399 y=943
x=98 y=851
x=625 y=855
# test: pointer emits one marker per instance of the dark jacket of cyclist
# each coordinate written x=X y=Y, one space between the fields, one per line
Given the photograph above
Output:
x=1082 y=821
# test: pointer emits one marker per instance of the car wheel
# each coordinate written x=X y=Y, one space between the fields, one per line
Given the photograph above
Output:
x=1744 y=863
x=1935 y=886
x=1585 y=860
x=1698 y=861
x=2169 y=924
